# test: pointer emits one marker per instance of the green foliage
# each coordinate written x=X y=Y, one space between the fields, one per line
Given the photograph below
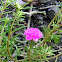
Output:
x=5 y=29
x=35 y=51
x=38 y=53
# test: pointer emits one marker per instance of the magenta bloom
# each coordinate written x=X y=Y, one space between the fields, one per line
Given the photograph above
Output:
x=33 y=34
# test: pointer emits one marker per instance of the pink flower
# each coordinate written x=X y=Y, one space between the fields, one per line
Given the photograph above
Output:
x=33 y=34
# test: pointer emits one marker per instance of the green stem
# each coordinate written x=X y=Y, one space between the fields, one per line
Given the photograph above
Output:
x=3 y=9
x=9 y=39
x=38 y=56
x=1 y=32
x=57 y=28
x=54 y=56
x=31 y=44
x=0 y=47
x=51 y=31
x=53 y=19
x=10 y=36
x=30 y=50
x=1 y=37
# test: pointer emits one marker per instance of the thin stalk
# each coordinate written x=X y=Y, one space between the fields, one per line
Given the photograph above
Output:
x=29 y=55
x=53 y=19
x=51 y=31
x=10 y=33
x=55 y=26
x=1 y=36
x=54 y=56
x=8 y=36
x=0 y=47
x=38 y=56
x=56 y=59
x=58 y=28
x=3 y=9
x=9 y=39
